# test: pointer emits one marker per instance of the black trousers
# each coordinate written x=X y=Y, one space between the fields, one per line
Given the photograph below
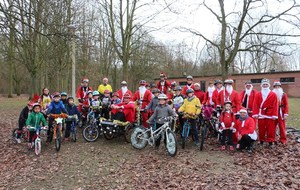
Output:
x=246 y=142
x=68 y=129
x=31 y=135
x=157 y=141
x=118 y=116
x=227 y=133
x=105 y=113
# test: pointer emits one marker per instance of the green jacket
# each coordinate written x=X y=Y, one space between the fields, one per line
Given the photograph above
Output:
x=35 y=120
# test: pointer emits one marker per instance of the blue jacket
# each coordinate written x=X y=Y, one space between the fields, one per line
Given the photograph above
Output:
x=56 y=108
x=72 y=110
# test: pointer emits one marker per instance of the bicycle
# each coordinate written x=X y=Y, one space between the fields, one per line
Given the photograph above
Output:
x=92 y=131
x=73 y=130
x=186 y=128
x=23 y=134
x=57 y=129
x=37 y=139
x=140 y=136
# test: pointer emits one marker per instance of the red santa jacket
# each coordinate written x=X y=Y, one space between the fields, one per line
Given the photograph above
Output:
x=82 y=92
x=233 y=97
x=215 y=96
x=267 y=108
x=200 y=95
x=250 y=99
x=128 y=109
x=146 y=98
x=226 y=119
x=283 y=106
x=163 y=86
x=245 y=127
x=185 y=89
x=121 y=94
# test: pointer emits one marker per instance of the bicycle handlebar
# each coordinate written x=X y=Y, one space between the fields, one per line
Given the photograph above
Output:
x=62 y=115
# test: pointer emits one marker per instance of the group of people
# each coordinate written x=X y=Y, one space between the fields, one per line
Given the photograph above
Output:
x=239 y=111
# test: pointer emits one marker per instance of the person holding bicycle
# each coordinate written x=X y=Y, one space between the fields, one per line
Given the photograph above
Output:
x=72 y=110
x=161 y=111
x=33 y=122
x=192 y=106
x=227 y=120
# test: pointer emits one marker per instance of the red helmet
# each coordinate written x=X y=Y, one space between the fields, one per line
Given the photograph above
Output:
x=126 y=96
x=106 y=91
x=85 y=80
x=143 y=82
x=115 y=94
x=56 y=94
x=31 y=103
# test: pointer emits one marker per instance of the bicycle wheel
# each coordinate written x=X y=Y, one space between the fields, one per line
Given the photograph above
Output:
x=128 y=131
x=203 y=136
x=171 y=143
x=184 y=135
x=90 y=133
x=23 y=136
x=58 y=139
x=138 y=138
x=37 y=146
x=73 y=133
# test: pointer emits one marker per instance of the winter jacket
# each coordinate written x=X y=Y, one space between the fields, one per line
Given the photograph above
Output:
x=72 y=110
x=163 y=86
x=187 y=87
x=247 y=101
x=35 y=120
x=56 y=108
x=227 y=119
x=267 y=108
x=128 y=109
x=234 y=98
x=153 y=104
x=178 y=101
x=246 y=127
x=24 y=114
x=200 y=95
x=81 y=93
x=161 y=111
x=191 y=106
x=102 y=88
x=45 y=100
x=283 y=106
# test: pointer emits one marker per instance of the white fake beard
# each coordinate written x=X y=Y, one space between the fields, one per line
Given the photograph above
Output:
x=229 y=89
x=248 y=91
x=124 y=89
x=265 y=92
x=210 y=91
x=279 y=92
x=142 y=90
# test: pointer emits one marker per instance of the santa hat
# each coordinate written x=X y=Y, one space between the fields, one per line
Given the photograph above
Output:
x=228 y=81
x=197 y=84
x=35 y=98
x=265 y=81
x=276 y=83
x=162 y=74
x=243 y=110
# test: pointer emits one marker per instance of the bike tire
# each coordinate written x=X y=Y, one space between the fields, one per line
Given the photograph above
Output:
x=184 y=135
x=37 y=147
x=23 y=136
x=128 y=132
x=90 y=133
x=58 y=140
x=171 y=146
x=73 y=134
x=136 y=142
x=203 y=136
x=108 y=136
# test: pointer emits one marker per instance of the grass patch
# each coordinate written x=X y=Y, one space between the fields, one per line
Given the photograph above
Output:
x=294 y=113
x=13 y=103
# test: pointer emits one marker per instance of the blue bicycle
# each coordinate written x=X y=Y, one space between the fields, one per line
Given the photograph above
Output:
x=73 y=130
x=186 y=128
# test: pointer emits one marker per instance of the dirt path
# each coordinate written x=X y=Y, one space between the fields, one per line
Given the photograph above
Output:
x=116 y=165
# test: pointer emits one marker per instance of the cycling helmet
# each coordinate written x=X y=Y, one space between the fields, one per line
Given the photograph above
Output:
x=189 y=91
x=173 y=83
x=178 y=88
x=162 y=97
x=85 y=80
x=70 y=97
x=90 y=92
x=143 y=82
x=96 y=93
x=63 y=94
x=124 y=83
x=127 y=96
x=152 y=85
x=31 y=103
x=228 y=81
x=155 y=91
x=56 y=94
x=115 y=94
x=189 y=77
x=35 y=105
x=218 y=82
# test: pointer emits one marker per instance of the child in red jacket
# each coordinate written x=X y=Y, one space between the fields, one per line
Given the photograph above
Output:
x=227 y=120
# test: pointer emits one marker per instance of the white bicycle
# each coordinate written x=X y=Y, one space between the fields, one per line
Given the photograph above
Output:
x=141 y=136
x=37 y=139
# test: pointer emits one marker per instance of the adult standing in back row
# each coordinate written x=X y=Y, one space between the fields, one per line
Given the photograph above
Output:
x=104 y=86
x=247 y=97
x=163 y=85
x=189 y=85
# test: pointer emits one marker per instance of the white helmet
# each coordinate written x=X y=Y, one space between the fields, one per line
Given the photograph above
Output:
x=162 y=97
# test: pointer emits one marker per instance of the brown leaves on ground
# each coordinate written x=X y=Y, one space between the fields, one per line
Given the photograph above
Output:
x=116 y=165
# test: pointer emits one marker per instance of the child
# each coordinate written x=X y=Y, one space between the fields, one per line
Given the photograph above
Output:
x=154 y=102
x=106 y=103
x=192 y=106
x=22 y=119
x=72 y=110
x=34 y=120
x=227 y=120
x=95 y=104
x=56 y=107
x=64 y=100
x=115 y=98
x=161 y=111
x=45 y=99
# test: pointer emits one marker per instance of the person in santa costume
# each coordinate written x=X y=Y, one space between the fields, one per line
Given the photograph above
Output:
x=189 y=85
x=199 y=93
x=246 y=133
x=219 y=87
x=229 y=95
x=283 y=110
x=143 y=97
x=247 y=97
x=83 y=90
x=124 y=111
x=265 y=109
x=208 y=94
x=163 y=85
x=123 y=90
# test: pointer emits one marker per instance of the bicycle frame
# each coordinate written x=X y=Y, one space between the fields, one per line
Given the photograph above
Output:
x=187 y=124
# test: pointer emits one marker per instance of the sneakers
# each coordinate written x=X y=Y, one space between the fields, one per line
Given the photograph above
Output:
x=231 y=148
x=223 y=147
x=18 y=140
x=197 y=143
